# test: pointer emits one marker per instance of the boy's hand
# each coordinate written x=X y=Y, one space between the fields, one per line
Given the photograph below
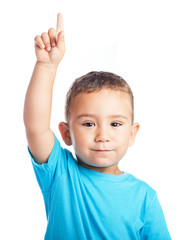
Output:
x=50 y=47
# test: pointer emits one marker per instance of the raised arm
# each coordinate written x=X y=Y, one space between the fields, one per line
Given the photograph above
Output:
x=49 y=48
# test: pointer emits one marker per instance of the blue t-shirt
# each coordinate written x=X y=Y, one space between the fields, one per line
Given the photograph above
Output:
x=83 y=204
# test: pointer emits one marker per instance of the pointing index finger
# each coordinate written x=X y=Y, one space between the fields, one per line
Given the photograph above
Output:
x=59 y=22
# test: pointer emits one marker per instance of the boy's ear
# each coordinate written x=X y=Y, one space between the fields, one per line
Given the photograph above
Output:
x=134 y=129
x=65 y=133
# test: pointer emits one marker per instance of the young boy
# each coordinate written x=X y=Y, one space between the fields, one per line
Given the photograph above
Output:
x=88 y=197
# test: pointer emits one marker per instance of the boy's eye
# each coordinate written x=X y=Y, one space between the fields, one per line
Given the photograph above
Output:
x=115 y=124
x=88 y=124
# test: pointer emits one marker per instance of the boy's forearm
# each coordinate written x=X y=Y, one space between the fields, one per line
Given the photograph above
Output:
x=38 y=101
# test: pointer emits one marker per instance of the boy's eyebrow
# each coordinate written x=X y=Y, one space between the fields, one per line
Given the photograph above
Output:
x=118 y=116
x=86 y=115
x=94 y=115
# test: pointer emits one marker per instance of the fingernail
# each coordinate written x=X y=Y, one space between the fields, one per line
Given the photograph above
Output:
x=53 y=44
x=48 y=49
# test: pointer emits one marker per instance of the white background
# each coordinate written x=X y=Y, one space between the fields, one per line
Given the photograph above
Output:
x=146 y=42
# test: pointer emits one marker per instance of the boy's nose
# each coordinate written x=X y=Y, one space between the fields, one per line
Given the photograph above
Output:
x=102 y=136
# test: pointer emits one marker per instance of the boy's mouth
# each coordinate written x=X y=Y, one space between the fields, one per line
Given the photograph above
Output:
x=101 y=150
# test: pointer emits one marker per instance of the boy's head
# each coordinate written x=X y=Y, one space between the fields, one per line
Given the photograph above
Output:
x=96 y=81
x=99 y=113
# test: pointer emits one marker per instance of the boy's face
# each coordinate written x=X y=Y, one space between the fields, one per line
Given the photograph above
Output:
x=100 y=129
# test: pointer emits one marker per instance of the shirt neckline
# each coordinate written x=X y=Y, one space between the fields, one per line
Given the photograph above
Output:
x=102 y=176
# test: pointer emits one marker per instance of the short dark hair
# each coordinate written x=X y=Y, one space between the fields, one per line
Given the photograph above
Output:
x=95 y=81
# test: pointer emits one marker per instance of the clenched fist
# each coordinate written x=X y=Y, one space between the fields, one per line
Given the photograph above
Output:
x=50 y=47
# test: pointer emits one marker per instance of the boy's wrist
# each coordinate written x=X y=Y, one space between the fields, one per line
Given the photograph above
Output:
x=47 y=66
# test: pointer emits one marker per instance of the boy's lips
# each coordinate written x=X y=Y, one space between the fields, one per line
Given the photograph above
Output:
x=101 y=150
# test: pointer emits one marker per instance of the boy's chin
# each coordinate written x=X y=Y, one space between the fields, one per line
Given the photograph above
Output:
x=90 y=164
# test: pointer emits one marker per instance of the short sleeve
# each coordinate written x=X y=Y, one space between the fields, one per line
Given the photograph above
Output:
x=47 y=172
x=155 y=227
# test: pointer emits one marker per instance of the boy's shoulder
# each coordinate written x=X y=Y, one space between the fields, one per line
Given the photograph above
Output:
x=139 y=181
x=140 y=186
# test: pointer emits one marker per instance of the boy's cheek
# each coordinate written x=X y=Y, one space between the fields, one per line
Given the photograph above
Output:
x=78 y=140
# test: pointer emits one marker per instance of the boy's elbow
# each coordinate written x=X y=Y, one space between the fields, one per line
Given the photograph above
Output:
x=29 y=125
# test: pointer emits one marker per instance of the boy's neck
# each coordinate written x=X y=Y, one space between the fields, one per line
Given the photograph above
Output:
x=114 y=170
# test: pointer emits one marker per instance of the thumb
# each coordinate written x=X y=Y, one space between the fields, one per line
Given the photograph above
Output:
x=61 y=41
